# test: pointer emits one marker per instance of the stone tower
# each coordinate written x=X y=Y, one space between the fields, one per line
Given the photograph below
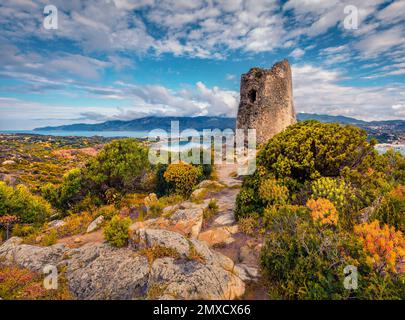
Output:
x=266 y=101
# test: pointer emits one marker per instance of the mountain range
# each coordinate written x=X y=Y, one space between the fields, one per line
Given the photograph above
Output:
x=208 y=122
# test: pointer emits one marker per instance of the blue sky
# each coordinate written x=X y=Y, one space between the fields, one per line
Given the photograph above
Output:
x=124 y=59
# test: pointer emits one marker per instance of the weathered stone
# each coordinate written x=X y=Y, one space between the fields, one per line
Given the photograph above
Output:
x=209 y=184
x=216 y=236
x=8 y=162
x=55 y=224
x=151 y=237
x=169 y=210
x=103 y=272
x=225 y=219
x=31 y=257
x=248 y=255
x=266 y=101
x=198 y=193
x=194 y=280
x=95 y=224
x=246 y=273
x=188 y=220
x=99 y=271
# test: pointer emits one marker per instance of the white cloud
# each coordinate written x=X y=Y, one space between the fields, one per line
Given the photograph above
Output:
x=381 y=42
x=317 y=90
x=137 y=101
x=297 y=53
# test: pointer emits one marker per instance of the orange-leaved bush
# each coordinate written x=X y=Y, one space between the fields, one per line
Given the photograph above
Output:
x=323 y=211
x=385 y=247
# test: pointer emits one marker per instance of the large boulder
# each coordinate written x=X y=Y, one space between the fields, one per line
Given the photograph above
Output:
x=30 y=257
x=193 y=280
x=146 y=238
x=102 y=272
x=99 y=271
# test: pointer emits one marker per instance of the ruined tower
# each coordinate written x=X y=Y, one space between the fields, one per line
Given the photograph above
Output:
x=266 y=101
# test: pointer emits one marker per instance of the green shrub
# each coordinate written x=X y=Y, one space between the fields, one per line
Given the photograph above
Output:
x=117 y=231
x=72 y=190
x=182 y=177
x=303 y=259
x=273 y=193
x=300 y=260
x=50 y=238
x=24 y=230
x=341 y=194
x=247 y=202
x=392 y=209
x=249 y=224
x=20 y=202
x=306 y=152
x=121 y=165
x=309 y=150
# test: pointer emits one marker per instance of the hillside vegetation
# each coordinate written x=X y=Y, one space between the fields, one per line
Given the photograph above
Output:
x=326 y=200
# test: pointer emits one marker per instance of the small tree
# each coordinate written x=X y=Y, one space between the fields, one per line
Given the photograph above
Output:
x=6 y=222
x=117 y=231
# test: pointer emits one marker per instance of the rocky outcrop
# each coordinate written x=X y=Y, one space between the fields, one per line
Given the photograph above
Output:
x=28 y=256
x=99 y=271
x=194 y=280
x=205 y=274
x=186 y=219
x=266 y=101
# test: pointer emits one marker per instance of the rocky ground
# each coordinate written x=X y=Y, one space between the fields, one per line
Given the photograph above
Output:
x=183 y=254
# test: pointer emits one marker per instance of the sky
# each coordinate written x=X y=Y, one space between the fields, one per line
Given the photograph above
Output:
x=126 y=59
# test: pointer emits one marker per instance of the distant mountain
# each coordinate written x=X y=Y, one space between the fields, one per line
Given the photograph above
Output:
x=328 y=118
x=200 y=123
x=149 y=123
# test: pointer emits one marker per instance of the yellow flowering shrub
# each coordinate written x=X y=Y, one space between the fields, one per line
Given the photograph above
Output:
x=273 y=193
x=182 y=177
x=385 y=247
x=392 y=209
x=323 y=211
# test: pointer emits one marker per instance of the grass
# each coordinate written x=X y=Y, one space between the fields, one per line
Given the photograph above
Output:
x=211 y=209
x=194 y=255
x=156 y=208
x=158 y=251
x=50 y=238
x=248 y=225
x=155 y=291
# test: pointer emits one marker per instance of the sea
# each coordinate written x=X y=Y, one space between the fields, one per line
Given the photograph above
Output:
x=107 y=134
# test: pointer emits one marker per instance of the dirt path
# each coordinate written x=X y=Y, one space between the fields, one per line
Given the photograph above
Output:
x=226 y=174
x=81 y=239
x=241 y=248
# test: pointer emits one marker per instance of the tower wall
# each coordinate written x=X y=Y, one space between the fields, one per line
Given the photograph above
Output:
x=266 y=101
